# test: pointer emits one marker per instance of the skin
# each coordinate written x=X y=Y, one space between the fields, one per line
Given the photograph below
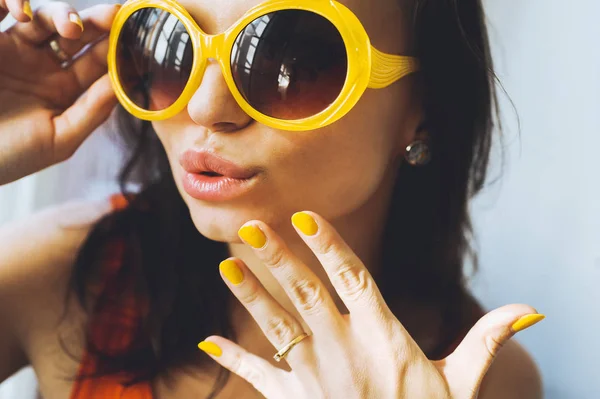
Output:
x=348 y=168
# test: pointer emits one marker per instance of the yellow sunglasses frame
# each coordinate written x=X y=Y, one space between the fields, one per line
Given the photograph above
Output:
x=367 y=67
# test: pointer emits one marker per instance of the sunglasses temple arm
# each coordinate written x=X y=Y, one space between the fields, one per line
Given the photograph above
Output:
x=85 y=49
x=387 y=68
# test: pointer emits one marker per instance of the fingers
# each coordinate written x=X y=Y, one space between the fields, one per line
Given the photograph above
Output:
x=265 y=378
x=348 y=275
x=308 y=294
x=74 y=125
x=19 y=9
x=97 y=21
x=465 y=368
x=278 y=325
x=91 y=65
x=50 y=19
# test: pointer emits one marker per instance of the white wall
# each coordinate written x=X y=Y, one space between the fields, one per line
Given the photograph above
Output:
x=539 y=229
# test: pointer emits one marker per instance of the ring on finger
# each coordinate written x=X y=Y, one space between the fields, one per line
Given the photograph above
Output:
x=281 y=353
x=59 y=53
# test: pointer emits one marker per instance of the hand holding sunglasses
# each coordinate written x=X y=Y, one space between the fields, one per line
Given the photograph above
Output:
x=366 y=354
x=292 y=65
x=43 y=115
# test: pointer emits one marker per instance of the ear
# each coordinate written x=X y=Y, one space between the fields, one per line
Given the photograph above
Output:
x=415 y=127
x=417 y=132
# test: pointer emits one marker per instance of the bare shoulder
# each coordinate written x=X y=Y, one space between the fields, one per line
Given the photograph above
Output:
x=36 y=258
x=37 y=249
x=513 y=375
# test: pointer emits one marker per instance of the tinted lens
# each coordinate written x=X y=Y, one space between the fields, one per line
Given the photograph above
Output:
x=289 y=64
x=154 y=58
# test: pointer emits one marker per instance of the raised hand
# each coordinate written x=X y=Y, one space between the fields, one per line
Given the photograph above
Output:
x=366 y=354
x=48 y=109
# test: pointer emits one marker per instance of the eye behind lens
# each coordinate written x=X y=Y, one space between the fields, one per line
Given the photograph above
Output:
x=289 y=64
x=154 y=58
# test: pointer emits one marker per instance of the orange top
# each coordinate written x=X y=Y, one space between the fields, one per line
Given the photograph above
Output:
x=113 y=326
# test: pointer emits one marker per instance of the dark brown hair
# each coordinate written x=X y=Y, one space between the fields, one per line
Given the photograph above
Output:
x=426 y=243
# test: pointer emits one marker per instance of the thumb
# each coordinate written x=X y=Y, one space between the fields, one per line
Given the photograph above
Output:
x=74 y=125
x=465 y=368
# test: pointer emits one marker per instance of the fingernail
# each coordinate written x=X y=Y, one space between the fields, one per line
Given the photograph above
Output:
x=73 y=17
x=231 y=271
x=27 y=9
x=210 y=347
x=253 y=236
x=527 y=321
x=305 y=223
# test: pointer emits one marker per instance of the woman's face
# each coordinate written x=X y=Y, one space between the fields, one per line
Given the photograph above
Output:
x=333 y=171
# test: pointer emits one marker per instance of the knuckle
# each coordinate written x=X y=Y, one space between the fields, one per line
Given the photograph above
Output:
x=493 y=345
x=275 y=258
x=249 y=296
x=353 y=281
x=308 y=295
x=281 y=330
x=328 y=247
x=241 y=367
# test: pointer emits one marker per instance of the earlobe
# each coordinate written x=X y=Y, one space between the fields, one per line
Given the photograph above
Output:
x=418 y=151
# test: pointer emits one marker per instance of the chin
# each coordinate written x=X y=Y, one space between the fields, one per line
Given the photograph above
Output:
x=221 y=222
x=215 y=223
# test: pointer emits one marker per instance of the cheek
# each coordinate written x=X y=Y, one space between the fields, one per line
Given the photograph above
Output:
x=173 y=141
x=335 y=171
x=160 y=128
x=173 y=137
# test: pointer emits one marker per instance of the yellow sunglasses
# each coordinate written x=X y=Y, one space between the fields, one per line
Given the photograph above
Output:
x=291 y=65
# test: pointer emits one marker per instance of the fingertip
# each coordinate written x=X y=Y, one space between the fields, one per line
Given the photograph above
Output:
x=27 y=10
x=210 y=348
x=19 y=16
x=305 y=222
x=68 y=29
x=527 y=321
x=252 y=234
x=76 y=19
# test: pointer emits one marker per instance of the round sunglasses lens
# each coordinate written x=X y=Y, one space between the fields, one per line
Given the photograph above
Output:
x=154 y=58
x=289 y=64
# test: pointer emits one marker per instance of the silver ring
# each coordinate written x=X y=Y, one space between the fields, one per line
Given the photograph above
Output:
x=60 y=54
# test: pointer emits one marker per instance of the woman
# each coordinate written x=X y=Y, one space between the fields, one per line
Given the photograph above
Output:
x=361 y=295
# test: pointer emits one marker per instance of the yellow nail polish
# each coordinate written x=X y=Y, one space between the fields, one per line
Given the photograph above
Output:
x=231 y=271
x=305 y=223
x=253 y=236
x=27 y=9
x=210 y=347
x=527 y=321
x=73 y=17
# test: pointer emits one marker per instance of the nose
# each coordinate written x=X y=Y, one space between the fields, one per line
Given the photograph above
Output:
x=213 y=106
